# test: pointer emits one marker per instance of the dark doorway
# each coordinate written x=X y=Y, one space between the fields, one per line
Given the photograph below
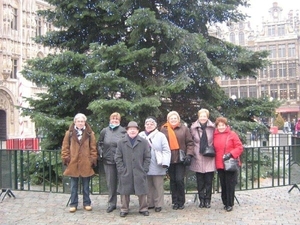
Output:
x=2 y=125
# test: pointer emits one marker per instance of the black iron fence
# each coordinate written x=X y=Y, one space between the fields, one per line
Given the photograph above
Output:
x=263 y=166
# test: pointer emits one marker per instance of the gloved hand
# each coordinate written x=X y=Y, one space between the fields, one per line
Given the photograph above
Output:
x=66 y=161
x=165 y=166
x=226 y=156
x=187 y=160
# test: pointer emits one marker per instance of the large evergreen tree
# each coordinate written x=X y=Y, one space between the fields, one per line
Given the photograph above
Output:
x=158 y=54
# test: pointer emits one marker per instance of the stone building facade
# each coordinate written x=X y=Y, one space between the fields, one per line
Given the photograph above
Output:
x=280 y=35
x=19 y=23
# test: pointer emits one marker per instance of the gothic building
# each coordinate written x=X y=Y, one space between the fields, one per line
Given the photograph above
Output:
x=19 y=23
x=280 y=35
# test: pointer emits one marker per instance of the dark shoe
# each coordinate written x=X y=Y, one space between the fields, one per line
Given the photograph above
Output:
x=123 y=214
x=225 y=207
x=201 y=205
x=110 y=209
x=181 y=207
x=229 y=208
x=175 y=206
x=157 y=209
x=145 y=213
x=151 y=207
x=207 y=204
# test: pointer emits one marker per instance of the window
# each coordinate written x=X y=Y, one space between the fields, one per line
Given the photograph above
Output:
x=226 y=90
x=243 y=92
x=263 y=90
x=241 y=38
x=293 y=91
x=252 y=91
x=264 y=73
x=262 y=48
x=281 y=51
x=273 y=91
x=271 y=31
x=282 y=70
x=3 y=129
x=14 y=70
x=272 y=49
x=292 y=69
x=283 y=91
x=14 y=21
x=49 y=26
x=234 y=91
x=273 y=71
x=38 y=31
x=291 y=50
x=232 y=37
x=281 y=30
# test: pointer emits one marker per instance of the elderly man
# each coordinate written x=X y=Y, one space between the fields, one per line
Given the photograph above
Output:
x=133 y=159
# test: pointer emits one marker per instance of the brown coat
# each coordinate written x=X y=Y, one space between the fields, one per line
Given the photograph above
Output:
x=79 y=156
x=184 y=139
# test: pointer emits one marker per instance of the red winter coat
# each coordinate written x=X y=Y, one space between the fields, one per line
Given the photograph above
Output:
x=224 y=145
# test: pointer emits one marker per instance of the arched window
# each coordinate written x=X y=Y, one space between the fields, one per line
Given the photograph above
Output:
x=232 y=37
x=241 y=38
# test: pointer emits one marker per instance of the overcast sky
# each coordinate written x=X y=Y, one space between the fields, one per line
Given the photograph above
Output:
x=260 y=8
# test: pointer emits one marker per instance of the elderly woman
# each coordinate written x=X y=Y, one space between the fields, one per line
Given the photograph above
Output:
x=227 y=145
x=179 y=138
x=79 y=154
x=107 y=144
x=202 y=131
x=157 y=170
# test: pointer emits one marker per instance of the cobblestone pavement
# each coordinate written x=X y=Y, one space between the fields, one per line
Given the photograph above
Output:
x=263 y=206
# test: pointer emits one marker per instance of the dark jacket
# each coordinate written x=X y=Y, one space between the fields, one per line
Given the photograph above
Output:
x=107 y=143
x=79 y=156
x=132 y=164
x=184 y=139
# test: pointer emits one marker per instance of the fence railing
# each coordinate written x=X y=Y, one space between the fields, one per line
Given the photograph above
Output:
x=262 y=167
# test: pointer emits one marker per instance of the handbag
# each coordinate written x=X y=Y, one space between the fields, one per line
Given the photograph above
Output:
x=158 y=154
x=181 y=155
x=231 y=165
x=158 y=157
x=209 y=151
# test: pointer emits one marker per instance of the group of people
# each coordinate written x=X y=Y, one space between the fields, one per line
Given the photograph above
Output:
x=136 y=162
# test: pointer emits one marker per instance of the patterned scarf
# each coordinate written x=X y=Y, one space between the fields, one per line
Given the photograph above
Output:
x=79 y=132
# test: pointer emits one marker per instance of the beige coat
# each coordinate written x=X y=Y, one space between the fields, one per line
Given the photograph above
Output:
x=79 y=156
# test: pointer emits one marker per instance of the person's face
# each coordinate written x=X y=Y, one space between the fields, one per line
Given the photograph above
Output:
x=221 y=127
x=173 y=120
x=114 y=120
x=79 y=123
x=132 y=132
x=150 y=126
x=202 y=118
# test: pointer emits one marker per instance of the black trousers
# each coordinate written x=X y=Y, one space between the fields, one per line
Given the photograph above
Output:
x=176 y=172
x=204 y=185
x=228 y=181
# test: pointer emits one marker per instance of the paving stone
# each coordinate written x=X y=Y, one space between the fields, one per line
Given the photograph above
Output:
x=259 y=206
